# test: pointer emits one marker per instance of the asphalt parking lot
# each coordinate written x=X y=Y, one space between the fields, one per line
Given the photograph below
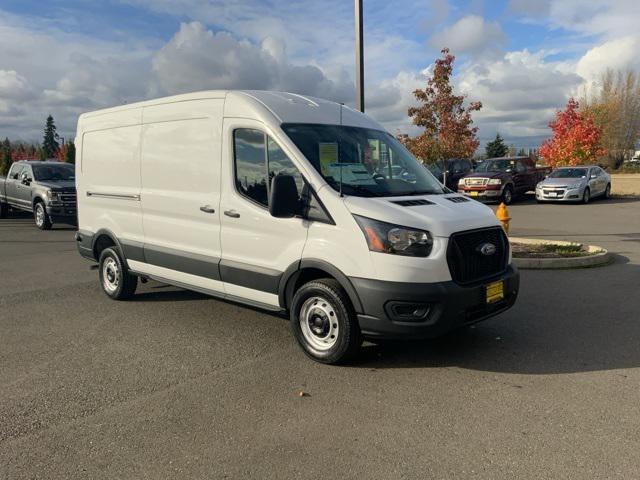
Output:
x=174 y=384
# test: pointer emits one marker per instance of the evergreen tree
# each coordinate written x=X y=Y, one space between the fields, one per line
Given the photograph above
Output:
x=50 y=143
x=5 y=164
x=496 y=148
x=70 y=152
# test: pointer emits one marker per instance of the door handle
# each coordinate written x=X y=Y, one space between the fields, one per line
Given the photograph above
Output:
x=232 y=214
x=207 y=209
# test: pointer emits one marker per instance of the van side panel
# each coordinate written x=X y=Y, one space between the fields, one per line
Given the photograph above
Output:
x=108 y=178
x=180 y=193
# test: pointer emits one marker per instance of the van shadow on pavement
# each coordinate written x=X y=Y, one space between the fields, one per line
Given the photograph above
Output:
x=564 y=321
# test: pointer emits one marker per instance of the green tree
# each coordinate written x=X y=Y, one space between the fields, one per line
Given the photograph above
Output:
x=70 y=152
x=40 y=153
x=496 y=148
x=6 y=157
x=50 y=143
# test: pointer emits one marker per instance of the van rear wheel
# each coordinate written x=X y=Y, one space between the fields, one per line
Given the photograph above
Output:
x=324 y=323
x=116 y=281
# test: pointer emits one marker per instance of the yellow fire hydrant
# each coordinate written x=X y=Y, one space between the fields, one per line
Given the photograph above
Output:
x=503 y=216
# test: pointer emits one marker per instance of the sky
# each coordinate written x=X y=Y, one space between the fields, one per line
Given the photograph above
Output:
x=521 y=58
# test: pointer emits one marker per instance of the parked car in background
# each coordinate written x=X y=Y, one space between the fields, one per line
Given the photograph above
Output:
x=46 y=189
x=456 y=168
x=502 y=179
x=574 y=184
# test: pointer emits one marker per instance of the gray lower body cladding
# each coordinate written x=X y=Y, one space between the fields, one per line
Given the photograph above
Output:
x=379 y=304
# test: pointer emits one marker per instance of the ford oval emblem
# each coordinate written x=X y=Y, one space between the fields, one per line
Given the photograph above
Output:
x=487 y=249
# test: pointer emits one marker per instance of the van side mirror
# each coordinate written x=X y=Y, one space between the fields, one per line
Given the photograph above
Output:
x=284 y=201
x=25 y=179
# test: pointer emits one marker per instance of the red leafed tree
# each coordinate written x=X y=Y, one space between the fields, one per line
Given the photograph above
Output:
x=448 y=131
x=575 y=139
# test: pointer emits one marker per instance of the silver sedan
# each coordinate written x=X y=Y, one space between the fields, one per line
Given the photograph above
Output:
x=574 y=184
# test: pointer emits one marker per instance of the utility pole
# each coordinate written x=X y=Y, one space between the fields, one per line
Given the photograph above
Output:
x=359 y=56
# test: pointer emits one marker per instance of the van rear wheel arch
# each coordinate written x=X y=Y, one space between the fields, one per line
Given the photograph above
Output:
x=104 y=239
x=304 y=271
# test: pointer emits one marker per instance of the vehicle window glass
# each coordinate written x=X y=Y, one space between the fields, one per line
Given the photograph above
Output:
x=54 y=172
x=280 y=164
x=16 y=170
x=250 y=171
x=520 y=167
x=362 y=162
x=465 y=165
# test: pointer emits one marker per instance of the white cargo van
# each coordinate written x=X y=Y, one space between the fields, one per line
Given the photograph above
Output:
x=288 y=203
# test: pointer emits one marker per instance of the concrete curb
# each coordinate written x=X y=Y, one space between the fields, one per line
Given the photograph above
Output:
x=602 y=257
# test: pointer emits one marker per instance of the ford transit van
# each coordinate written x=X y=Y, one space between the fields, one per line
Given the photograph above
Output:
x=288 y=203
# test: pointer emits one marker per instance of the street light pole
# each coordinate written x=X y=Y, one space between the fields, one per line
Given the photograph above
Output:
x=359 y=56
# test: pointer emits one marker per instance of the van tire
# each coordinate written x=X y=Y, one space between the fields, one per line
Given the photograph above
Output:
x=40 y=216
x=116 y=281
x=325 y=308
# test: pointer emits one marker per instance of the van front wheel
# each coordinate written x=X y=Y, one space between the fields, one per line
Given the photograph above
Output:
x=115 y=279
x=324 y=322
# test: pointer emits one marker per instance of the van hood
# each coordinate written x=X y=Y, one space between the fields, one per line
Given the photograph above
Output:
x=441 y=216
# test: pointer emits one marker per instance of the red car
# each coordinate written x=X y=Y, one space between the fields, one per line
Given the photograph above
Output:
x=502 y=179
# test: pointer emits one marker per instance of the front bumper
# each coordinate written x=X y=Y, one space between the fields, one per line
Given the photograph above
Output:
x=448 y=305
x=558 y=195
x=485 y=194
x=62 y=213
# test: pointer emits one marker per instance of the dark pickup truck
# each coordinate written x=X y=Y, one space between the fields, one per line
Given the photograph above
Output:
x=502 y=179
x=46 y=189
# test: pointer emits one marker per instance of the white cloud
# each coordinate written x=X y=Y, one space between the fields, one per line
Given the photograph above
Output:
x=219 y=61
x=520 y=92
x=621 y=53
x=470 y=34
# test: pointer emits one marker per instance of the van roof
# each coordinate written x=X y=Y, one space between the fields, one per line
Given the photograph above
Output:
x=285 y=107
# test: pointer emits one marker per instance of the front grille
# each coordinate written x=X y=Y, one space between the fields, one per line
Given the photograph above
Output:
x=474 y=182
x=558 y=192
x=466 y=262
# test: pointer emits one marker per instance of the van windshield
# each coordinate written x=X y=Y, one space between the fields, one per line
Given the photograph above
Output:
x=361 y=161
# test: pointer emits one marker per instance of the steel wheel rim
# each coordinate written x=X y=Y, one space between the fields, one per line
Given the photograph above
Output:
x=39 y=215
x=319 y=323
x=110 y=275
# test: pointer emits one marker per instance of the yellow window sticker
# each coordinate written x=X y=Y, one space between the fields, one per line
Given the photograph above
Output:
x=328 y=154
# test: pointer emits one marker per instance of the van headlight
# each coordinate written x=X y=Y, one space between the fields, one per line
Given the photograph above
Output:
x=389 y=238
x=461 y=181
x=494 y=181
